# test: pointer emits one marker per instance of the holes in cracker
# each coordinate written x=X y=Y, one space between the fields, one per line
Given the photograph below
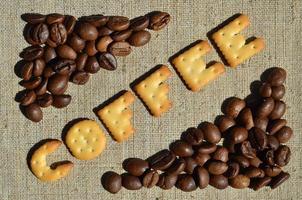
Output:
x=222 y=33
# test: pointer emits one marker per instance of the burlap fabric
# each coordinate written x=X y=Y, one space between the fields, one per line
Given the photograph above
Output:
x=278 y=22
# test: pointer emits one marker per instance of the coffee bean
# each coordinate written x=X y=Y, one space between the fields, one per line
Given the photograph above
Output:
x=90 y=48
x=217 y=167
x=190 y=165
x=272 y=142
x=80 y=78
x=75 y=42
x=219 y=181
x=131 y=182
x=269 y=157
x=95 y=20
x=57 y=84
x=61 y=101
x=33 y=18
x=65 y=51
x=69 y=23
x=258 y=138
x=63 y=66
x=112 y=182
x=45 y=100
x=278 y=180
x=27 y=33
x=150 y=178
x=103 y=43
x=275 y=125
x=32 y=83
x=261 y=123
x=245 y=118
x=265 y=108
x=118 y=23
x=48 y=72
x=276 y=77
x=247 y=150
x=265 y=90
x=284 y=134
x=120 y=48
x=233 y=107
x=186 y=183
x=193 y=136
x=158 y=20
x=260 y=182
x=278 y=92
x=38 y=67
x=221 y=154
x=121 y=35
x=166 y=181
x=42 y=88
x=207 y=148
x=139 y=38
x=224 y=123
x=282 y=155
x=271 y=171
x=201 y=158
x=27 y=97
x=92 y=66
x=202 y=177
x=240 y=182
x=237 y=134
x=135 y=166
x=32 y=52
x=49 y=53
x=233 y=169
x=107 y=61
x=54 y=18
x=254 y=172
x=177 y=167
x=33 y=112
x=81 y=61
x=241 y=160
x=211 y=132
x=58 y=35
x=39 y=33
x=278 y=111
x=86 y=31
x=27 y=70
x=230 y=145
x=255 y=162
x=181 y=148
x=139 y=23
x=161 y=160
x=103 y=31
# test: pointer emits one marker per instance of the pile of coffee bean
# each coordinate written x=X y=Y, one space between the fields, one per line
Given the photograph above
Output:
x=244 y=148
x=65 y=49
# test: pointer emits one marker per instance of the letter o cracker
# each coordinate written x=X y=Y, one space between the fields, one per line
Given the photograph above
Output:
x=85 y=140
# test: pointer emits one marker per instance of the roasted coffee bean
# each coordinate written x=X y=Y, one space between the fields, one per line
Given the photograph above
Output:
x=92 y=66
x=38 y=67
x=245 y=118
x=95 y=20
x=261 y=123
x=158 y=20
x=260 y=183
x=150 y=178
x=90 y=48
x=103 y=43
x=27 y=33
x=272 y=142
x=269 y=157
x=69 y=23
x=61 y=101
x=276 y=76
x=33 y=18
x=247 y=150
x=275 y=125
x=167 y=181
x=54 y=18
x=255 y=162
x=58 y=35
x=233 y=169
x=206 y=148
x=81 y=61
x=221 y=154
x=237 y=134
x=139 y=23
x=271 y=171
x=278 y=92
x=139 y=38
x=112 y=182
x=63 y=66
x=131 y=182
x=265 y=90
x=31 y=83
x=161 y=160
x=181 y=148
x=186 y=183
x=33 y=112
x=48 y=72
x=240 y=182
x=27 y=70
x=32 y=52
x=135 y=166
x=265 y=108
x=219 y=181
x=57 y=84
x=42 y=88
x=39 y=33
x=278 y=180
x=241 y=160
x=254 y=172
x=49 y=53
x=80 y=78
x=103 y=31
x=193 y=136
x=121 y=35
x=45 y=100
x=190 y=165
x=224 y=123
x=118 y=23
x=107 y=61
x=27 y=97
x=120 y=48
x=177 y=167
x=211 y=132
x=284 y=134
x=282 y=155
x=278 y=111
x=201 y=158
x=233 y=107
x=257 y=138
x=230 y=145
x=65 y=51
x=217 y=167
x=202 y=177
x=75 y=42
x=86 y=31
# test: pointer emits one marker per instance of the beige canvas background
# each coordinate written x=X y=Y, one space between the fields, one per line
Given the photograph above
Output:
x=278 y=22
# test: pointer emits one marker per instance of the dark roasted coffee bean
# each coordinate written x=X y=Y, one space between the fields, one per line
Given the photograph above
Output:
x=103 y=43
x=257 y=138
x=221 y=154
x=112 y=182
x=207 y=148
x=61 y=101
x=103 y=31
x=139 y=38
x=92 y=66
x=272 y=142
x=90 y=48
x=265 y=90
x=107 y=61
x=284 y=134
x=48 y=72
x=269 y=157
x=240 y=182
x=57 y=84
x=278 y=111
x=32 y=52
x=233 y=169
x=118 y=23
x=224 y=123
x=190 y=165
x=139 y=23
x=237 y=134
x=245 y=118
x=219 y=181
x=33 y=112
x=211 y=132
x=278 y=92
x=75 y=42
x=54 y=18
x=63 y=66
x=69 y=23
x=254 y=172
x=278 y=180
x=33 y=18
x=259 y=183
x=135 y=166
x=45 y=100
x=247 y=150
x=80 y=78
x=202 y=177
x=233 y=107
x=261 y=123
x=181 y=148
x=193 y=136
x=95 y=20
x=42 y=88
x=177 y=167
x=121 y=35
x=255 y=162
x=217 y=167
x=167 y=181
x=27 y=97
x=40 y=33
x=131 y=182
x=32 y=83
x=58 y=35
x=65 y=51
x=271 y=171
x=282 y=155
x=275 y=125
x=158 y=20
x=49 y=53
x=241 y=160
x=265 y=108
x=87 y=31
x=186 y=183
x=201 y=159
x=276 y=76
x=81 y=61
x=27 y=33
x=150 y=178
x=38 y=67
x=161 y=160
x=230 y=145
x=27 y=70
x=120 y=48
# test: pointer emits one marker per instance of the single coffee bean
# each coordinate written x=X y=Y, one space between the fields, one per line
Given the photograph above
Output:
x=265 y=90
x=92 y=66
x=139 y=23
x=139 y=38
x=261 y=123
x=135 y=166
x=241 y=160
x=42 y=88
x=276 y=77
x=282 y=155
x=269 y=157
x=284 y=134
x=190 y=165
x=61 y=101
x=233 y=107
x=27 y=33
x=118 y=23
x=112 y=182
x=27 y=70
x=45 y=100
x=186 y=183
x=271 y=171
x=54 y=18
x=275 y=125
x=49 y=53
x=63 y=66
x=81 y=61
x=87 y=31
x=177 y=167
x=48 y=72
x=65 y=51
x=181 y=148
x=245 y=118
x=255 y=162
x=57 y=84
x=75 y=42
x=201 y=159
x=38 y=67
x=217 y=167
x=167 y=181
x=33 y=18
x=278 y=180
x=221 y=154
x=193 y=136
x=131 y=182
x=33 y=112
x=206 y=148
x=260 y=183
x=107 y=61
x=40 y=33
x=32 y=52
x=27 y=97
x=32 y=83
x=219 y=181
x=103 y=31
x=233 y=169
x=121 y=35
x=278 y=111
x=120 y=48
x=80 y=78
x=103 y=43
x=158 y=20
x=150 y=178
x=265 y=108
x=278 y=92
x=211 y=132
x=224 y=123
x=161 y=160
x=247 y=150
x=58 y=35
x=237 y=134
x=95 y=20
x=272 y=142
x=202 y=177
x=90 y=48
x=254 y=172
x=69 y=23
x=240 y=182
x=258 y=138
